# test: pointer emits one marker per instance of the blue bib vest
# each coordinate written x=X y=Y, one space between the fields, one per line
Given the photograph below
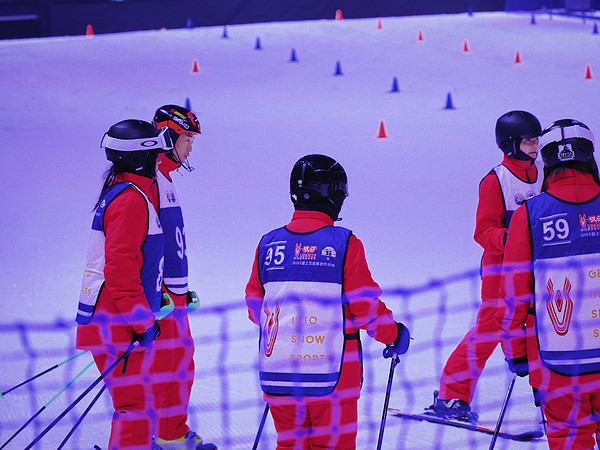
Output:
x=566 y=266
x=514 y=190
x=93 y=275
x=302 y=316
x=171 y=219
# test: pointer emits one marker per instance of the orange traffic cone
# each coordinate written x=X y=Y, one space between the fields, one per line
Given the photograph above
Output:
x=89 y=31
x=379 y=24
x=338 y=15
x=420 y=36
x=518 y=57
x=195 y=68
x=382 y=133
x=588 y=73
x=466 y=48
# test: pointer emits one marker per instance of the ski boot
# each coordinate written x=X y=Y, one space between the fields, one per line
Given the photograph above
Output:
x=191 y=441
x=451 y=409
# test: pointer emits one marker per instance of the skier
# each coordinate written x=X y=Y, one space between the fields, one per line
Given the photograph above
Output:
x=310 y=291
x=550 y=285
x=502 y=190
x=121 y=293
x=173 y=365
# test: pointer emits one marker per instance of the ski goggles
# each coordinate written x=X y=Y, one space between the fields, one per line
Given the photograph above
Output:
x=561 y=133
x=163 y=143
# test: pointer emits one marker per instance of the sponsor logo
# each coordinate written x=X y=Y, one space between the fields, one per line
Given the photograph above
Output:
x=180 y=119
x=270 y=328
x=305 y=252
x=589 y=222
x=559 y=306
x=565 y=153
x=329 y=252
x=151 y=143
x=520 y=198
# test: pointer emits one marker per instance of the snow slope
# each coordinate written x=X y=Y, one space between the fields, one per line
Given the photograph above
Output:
x=412 y=195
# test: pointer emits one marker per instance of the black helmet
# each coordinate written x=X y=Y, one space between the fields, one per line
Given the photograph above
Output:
x=566 y=140
x=178 y=120
x=318 y=183
x=133 y=145
x=512 y=128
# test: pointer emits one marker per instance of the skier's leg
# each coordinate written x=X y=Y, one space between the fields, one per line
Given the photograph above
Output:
x=133 y=419
x=465 y=364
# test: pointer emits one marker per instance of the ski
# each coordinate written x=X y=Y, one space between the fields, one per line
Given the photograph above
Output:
x=525 y=436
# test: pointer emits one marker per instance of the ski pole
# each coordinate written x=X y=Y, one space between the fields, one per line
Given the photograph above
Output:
x=387 y=399
x=164 y=311
x=502 y=412
x=87 y=410
x=46 y=405
x=261 y=426
x=43 y=373
x=83 y=394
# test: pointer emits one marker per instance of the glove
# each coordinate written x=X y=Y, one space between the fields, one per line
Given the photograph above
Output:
x=400 y=345
x=147 y=337
x=192 y=301
x=519 y=366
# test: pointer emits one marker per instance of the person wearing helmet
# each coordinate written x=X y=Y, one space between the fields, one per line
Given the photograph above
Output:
x=173 y=365
x=550 y=285
x=501 y=191
x=120 y=296
x=310 y=291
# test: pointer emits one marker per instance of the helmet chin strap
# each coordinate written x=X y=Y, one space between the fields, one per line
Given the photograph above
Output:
x=184 y=164
x=520 y=154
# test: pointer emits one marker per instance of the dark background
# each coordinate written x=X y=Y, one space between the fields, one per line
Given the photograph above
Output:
x=35 y=18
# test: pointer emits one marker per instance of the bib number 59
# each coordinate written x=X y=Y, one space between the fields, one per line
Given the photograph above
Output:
x=556 y=229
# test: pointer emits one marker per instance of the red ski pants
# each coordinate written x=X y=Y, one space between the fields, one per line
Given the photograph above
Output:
x=173 y=373
x=328 y=423
x=132 y=397
x=573 y=419
x=465 y=364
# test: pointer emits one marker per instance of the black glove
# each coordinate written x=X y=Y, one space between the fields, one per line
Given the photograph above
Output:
x=400 y=345
x=147 y=337
x=192 y=301
x=519 y=366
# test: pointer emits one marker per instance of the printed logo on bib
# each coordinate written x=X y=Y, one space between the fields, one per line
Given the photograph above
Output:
x=559 y=306
x=328 y=252
x=520 y=198
x=270 y=328
x=171 y=197
x=306 y=252
x=590 y=225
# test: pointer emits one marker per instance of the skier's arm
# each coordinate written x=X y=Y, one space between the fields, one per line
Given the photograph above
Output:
x=516 y=289
x=364 y=306
x=490 y=230
x=254 y=293
x=125 y=234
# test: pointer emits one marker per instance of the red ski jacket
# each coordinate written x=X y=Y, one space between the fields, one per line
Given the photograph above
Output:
x=517 y=287
x=126 y=226
x=490 y=227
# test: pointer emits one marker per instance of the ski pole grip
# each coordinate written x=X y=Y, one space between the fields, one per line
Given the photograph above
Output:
x=167 y=306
